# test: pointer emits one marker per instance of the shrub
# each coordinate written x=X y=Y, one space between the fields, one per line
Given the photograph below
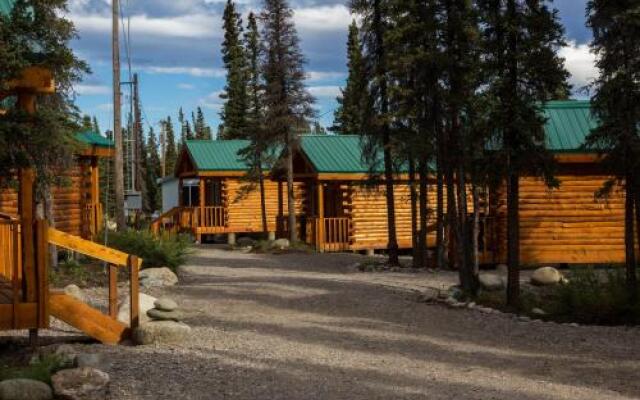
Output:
x=167 y=250
x=595 y=297
x=41 y=369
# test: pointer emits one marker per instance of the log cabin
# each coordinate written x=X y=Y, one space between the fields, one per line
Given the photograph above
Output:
x=570 y=224
x=76 y=207
x=214 y=197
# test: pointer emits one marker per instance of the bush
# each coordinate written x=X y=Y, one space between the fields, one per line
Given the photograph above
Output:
x=167 y=250
x=595 y=297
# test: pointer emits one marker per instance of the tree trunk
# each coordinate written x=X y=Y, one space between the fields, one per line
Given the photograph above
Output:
x=629 y=239
x=293 y=232
x=476 y=230
x=440 y=206
x=513 y=237
x=263 y=202
x=452 y=217
x=467 y=277
x=415 y=243
x=424 y=210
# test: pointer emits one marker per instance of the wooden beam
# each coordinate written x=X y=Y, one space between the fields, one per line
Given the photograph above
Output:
x=34 y=80
x=113 y=291
x=42 y=267
x=134 y=282
x=26 y=211
x=89 y=248
x=97 y=151
x=201 y=187
x=320 y=228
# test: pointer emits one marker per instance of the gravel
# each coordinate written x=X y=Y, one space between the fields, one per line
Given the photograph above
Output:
x=305 y=326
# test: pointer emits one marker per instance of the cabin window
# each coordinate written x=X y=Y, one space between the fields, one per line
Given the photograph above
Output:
x=190 y=193
x=214 y=193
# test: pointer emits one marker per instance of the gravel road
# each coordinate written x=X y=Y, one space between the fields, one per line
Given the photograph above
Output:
x=304 y=326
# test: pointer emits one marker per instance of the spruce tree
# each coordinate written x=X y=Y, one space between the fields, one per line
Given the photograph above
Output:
x=523 y=71
x=234 y=110
x=86 y=123
x=376 y=129
x=152 y=173
x=170 y=151
x=349 y=113
x=616 y=105
x=287 y=102
x=202 y=130
x=95 y=126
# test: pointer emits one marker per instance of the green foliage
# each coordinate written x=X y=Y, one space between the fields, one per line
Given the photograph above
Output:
x=153 y=170
x=348 y=116
x=202 y=130
x=69 y=270
x=165 y=251
x=41 y=369
x=171 y=154
x=234 y=111
x=595 y=297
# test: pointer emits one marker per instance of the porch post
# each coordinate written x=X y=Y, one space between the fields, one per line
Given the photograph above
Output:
x=320 y=226
x=95 y=198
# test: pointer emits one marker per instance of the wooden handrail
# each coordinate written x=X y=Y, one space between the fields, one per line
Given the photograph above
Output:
x=89 y=248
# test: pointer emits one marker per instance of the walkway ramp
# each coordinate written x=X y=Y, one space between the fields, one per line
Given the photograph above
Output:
x=87 y=319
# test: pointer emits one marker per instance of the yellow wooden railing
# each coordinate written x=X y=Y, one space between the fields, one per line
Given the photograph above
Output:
x=335 y=233
x=10 y=261
x=212 y=217
x=190 y=218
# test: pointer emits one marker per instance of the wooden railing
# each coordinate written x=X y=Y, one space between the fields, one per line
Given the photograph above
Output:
x=185 y=218
x=212 y=217
x=335 y=233
x=10 y=260
x=116 y=260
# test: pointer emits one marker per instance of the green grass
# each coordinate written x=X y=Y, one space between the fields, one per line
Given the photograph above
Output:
x=40 y=370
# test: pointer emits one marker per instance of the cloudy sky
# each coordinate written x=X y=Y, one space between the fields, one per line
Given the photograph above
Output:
x=175 y=48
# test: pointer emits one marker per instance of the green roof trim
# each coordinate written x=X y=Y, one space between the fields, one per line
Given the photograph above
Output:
x=93 y=139
x=6 y=6
x=336 y=154
x=568 y=123
x=217 y=155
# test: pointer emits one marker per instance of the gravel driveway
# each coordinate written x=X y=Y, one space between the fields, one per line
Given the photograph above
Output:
x=300 y=326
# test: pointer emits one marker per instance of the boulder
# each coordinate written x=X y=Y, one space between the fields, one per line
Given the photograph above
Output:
x=160 y=315
x=157 y=277
x=538 y=311
x=165 y=304
x=280 y=244
x=491 y=282
x=92 y=360
x=161 y=332
x=80 y=384
x=75 y=292
x=24 y=389
x=546 y=276
x=146 y=303
x=245 y=242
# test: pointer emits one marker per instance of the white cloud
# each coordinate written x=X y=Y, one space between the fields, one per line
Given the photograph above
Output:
x=314 y=76
x=212 y=101
x=182 y=26
x=580 y=62
x=192 y=71
x=324 y=91
x=186 y=86
x=92 y=90
x=105 y=107
x=323 y=18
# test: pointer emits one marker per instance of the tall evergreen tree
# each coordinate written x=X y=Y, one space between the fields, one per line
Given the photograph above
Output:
x=202 y=130
x=523 y=71
x=170 y=151
x=234 y=111
x=256 y=154
x=95 y=125
x=86 y=123
x=377 y=131
x=287 y=101
x=616 y=104
x=348 y=115
x=152 y=173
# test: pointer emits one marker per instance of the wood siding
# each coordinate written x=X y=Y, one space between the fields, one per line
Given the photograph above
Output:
x=566 y=225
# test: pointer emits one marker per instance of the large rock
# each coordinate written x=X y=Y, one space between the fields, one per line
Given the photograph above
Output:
x=80 y=384
x=157 y=277
x=280 y=244
x=161 y=332
x=146 y=303
x=92 y=360
x=165 y=304
x=75 y=292
x=546 y=276
x=160 y=315
x=24 y=389
x=491 y=282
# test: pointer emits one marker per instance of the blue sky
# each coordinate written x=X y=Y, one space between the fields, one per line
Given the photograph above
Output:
x=175 y=49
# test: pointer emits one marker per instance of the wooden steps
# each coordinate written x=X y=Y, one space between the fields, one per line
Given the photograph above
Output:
x=87 y=319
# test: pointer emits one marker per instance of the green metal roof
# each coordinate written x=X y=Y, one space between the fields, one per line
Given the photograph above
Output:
x=217 y=155
x=93 y=139
x=336 y=154
x=568 y=125
x=6 y=6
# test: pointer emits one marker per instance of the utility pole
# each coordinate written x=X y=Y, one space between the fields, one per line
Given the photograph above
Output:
x=117 y=121
x=138 y=144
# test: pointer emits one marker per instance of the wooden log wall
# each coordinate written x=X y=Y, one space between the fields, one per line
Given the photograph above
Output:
x=69 y=199
x=566 y=225
x=244 y=211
